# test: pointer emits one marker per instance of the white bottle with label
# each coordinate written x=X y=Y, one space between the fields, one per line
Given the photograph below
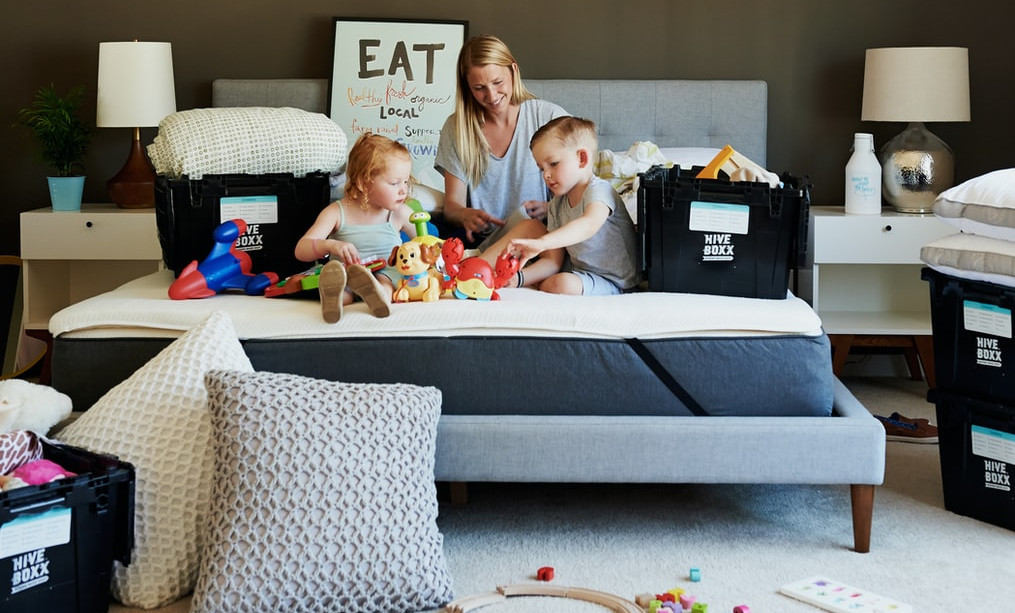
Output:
x=863 y=178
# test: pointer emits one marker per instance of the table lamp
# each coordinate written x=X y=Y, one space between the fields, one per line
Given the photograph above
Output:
x=916 y=85
x=135 y=90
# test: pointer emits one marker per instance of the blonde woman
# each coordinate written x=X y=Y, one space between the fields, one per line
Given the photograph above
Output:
x=490 y=181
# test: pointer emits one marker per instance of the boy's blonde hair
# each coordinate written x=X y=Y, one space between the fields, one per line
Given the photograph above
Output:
x=368 y=158
x=571 y=132
x=473 y=150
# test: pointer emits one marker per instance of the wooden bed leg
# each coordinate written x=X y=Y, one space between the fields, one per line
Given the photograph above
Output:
x=459 y=492
x=862 y=498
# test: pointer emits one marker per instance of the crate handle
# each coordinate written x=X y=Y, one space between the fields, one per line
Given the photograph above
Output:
x=52 y=502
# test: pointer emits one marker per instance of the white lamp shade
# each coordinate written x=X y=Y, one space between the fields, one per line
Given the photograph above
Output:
x=916 y=84
x=135 y=87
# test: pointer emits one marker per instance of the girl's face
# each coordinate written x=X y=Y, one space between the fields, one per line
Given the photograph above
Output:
x=390 y=187
x=491 y=86
x=560 y=166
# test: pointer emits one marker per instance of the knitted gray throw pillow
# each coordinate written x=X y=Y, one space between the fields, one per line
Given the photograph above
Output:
x=323 y=497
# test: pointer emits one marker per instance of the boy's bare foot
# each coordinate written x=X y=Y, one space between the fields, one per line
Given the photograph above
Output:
x=363 y=283
x=331 y=286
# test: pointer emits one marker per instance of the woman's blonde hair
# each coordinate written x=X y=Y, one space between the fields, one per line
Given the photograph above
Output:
x=473 y=148
x=367 y=158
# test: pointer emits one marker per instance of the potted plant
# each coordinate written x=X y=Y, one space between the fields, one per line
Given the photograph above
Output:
x=64 y=138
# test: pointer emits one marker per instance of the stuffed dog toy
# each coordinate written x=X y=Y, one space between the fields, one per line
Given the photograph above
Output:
x=416 y=262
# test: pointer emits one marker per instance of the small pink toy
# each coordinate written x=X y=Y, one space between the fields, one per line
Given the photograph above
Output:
x=38 y=472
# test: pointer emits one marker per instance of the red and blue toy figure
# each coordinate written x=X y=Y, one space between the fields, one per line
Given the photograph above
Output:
x=226 y=267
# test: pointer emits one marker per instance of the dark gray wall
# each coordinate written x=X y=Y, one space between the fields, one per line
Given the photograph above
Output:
x=811 y=53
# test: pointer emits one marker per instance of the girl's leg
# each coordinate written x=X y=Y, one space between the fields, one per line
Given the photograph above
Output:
x=331 y=287
x=375 y=294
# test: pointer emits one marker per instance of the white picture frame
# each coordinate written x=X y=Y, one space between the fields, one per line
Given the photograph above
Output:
x=396 y=78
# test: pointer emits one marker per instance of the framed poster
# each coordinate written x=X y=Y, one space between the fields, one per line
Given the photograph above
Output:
x=396 y=78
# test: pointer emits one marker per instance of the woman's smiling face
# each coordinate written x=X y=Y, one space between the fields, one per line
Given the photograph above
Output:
x=491 y=86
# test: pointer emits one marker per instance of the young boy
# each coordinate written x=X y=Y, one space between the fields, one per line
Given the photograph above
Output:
x=586 y=218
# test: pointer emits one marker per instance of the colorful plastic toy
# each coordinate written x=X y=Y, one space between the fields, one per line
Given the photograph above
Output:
x=225 y=268
x=473 y=277
x=695 y=574
x=417 y=264
x=545 y=573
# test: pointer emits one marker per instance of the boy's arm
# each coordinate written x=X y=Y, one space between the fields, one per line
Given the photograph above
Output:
x=571 y=233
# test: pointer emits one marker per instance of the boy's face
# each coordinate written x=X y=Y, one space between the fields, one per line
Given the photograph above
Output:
x=560 y=166
x=390 y=187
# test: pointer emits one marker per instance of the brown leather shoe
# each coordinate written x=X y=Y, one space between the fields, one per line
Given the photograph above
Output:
x=901 y=428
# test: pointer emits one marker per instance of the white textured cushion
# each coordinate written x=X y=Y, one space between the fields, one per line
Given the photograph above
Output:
x=969 y=256
x=158 y=421
x=248 y=140
x=323 y=498
x=983 y=205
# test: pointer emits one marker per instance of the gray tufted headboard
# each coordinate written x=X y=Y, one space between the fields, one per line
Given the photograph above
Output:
x=670 y=113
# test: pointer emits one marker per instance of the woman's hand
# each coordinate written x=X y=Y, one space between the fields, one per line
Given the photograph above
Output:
x=536 y=209
x=477 y=221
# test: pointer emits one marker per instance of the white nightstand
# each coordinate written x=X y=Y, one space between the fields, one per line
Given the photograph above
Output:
x=68 y=256
x=865 y=282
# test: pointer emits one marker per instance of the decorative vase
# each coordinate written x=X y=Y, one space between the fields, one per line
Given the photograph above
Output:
x=65 y=192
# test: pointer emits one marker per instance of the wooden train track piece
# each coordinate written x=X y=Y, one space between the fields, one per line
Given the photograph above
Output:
x=476 y=601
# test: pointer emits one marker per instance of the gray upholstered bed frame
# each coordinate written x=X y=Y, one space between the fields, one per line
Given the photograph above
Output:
x=847 y=448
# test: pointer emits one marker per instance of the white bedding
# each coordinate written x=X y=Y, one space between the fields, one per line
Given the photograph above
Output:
x=142 y=308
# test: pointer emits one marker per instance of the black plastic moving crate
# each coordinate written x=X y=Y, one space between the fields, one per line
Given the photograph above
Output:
x=278 y=208
x=976 y=441
x=713 y=236
x=973 y=349
x=58 y=540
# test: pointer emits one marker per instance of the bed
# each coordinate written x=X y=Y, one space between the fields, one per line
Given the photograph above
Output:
x=742 y=387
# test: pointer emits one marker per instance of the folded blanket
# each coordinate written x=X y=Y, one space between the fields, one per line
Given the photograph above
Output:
x=248 y=140
x=621 y=169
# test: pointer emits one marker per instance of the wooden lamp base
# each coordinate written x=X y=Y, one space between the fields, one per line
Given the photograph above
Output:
x=134 y=186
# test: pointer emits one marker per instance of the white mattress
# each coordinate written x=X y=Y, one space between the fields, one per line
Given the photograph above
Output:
x=142 y=308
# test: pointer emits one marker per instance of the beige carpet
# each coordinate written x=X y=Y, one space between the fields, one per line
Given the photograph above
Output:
x=747 y=540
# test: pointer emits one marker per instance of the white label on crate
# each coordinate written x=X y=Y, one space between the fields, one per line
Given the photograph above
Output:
x=986 y=318
x=718 y=217
x=994 y=445
x=251 y=209
x=35 y=531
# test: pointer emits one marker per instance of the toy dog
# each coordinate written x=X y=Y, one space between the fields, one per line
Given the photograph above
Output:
x=416 y=262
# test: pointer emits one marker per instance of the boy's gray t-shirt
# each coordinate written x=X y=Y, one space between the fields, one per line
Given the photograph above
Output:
x=612 y=251
x=510 y=180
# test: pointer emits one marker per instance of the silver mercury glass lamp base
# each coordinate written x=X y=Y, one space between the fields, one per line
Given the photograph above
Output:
x=916 y=166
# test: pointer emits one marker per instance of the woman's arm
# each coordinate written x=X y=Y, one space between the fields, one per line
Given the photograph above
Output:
x=456 y=212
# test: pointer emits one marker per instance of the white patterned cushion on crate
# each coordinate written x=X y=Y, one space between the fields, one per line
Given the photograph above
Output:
x=323 y=497
x=247 y=140
x=157 y=420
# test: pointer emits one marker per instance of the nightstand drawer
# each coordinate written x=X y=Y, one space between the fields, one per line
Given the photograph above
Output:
x=890 y=238
x=97 y=232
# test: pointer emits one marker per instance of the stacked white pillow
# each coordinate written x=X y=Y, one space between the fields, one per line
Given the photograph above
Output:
x=983 y=210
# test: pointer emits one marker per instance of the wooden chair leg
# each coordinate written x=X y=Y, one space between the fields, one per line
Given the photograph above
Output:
x=862 y=499
x=841 y=344
x=459 y=492
x=925 y=350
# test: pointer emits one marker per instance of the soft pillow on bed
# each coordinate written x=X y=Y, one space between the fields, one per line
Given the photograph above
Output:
x=323 y=497
x=969 y=256
x=158 y=421
x=248 y=140
x=983 y=205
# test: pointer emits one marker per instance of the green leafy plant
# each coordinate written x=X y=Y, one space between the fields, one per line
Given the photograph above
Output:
x=63 y=135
